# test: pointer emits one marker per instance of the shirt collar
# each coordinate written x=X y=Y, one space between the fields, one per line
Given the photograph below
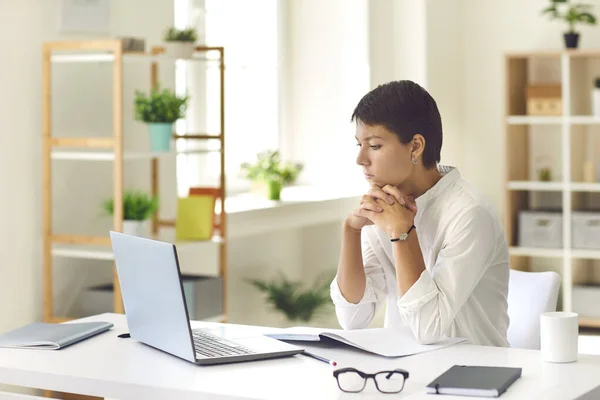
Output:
x=449 y=175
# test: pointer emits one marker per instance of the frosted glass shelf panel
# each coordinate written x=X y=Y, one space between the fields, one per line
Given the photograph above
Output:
x=536 y=186
x=535 y=252
x=534 y=120
x=110 y=156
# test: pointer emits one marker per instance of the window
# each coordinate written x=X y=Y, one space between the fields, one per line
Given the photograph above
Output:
x=249 y=32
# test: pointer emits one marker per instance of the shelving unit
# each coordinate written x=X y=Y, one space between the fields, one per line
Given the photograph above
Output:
x=111 y=149
x=570 y=138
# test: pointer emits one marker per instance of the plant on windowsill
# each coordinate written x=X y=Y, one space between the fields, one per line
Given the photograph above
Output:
x=272 y=171
x=295 y=302
x=138 y=208
x=180 y=43
x=160 y=110
x=572 y=14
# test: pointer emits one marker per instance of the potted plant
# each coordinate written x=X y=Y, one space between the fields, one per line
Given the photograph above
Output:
x=270 y=170
x=160 y=110
x=292 y=299
x=180 y=43
x=138 y=207
x=572 y=14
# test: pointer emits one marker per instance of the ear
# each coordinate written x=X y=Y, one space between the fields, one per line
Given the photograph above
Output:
x=418 y=146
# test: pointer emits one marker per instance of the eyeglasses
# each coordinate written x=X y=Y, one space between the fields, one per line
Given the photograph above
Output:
x=351 y=380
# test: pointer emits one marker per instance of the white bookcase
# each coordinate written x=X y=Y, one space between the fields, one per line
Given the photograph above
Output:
x=569 y=141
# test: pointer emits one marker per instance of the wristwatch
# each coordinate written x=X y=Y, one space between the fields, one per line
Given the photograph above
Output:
x=403 y=236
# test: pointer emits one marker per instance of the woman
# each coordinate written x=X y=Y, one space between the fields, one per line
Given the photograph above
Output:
x=422 y=238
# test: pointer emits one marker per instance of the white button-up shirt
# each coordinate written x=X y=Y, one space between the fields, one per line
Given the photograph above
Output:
x=463 y=290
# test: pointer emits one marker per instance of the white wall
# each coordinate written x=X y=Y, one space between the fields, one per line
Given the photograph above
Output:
x=397 y=41
x=423 y=41
x=491 y=29
x=82 y=107
x=445 y=73
x=327 y=70
x=19 y=155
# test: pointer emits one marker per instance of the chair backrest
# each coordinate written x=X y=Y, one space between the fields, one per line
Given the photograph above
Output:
x=529 y=295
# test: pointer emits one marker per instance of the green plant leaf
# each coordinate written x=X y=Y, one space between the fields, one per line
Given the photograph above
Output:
x=294 y=301
x=269 y=167
x=160 y=106
x=137 y=205
x=551 y=10
x=180 y=35
x=576 y=13
x=587 y=18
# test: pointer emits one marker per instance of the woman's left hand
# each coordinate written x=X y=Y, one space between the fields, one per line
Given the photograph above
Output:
x=396 y=218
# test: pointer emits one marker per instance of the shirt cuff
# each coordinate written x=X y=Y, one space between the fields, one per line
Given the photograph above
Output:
x=419 y=294
x=339 y=300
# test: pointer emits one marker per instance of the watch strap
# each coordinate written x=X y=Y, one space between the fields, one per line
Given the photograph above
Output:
x=402 y=237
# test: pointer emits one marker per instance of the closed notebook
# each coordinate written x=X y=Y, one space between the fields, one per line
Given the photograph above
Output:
x=479 y=381
x=40 y=335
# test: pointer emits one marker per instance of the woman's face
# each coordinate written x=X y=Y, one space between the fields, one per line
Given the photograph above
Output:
x=385 y=161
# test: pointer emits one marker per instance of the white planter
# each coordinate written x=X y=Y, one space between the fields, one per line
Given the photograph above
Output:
x=179 y=49
x=136 y=228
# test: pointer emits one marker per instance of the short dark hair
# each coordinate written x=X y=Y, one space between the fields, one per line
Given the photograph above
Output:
x=404 y=108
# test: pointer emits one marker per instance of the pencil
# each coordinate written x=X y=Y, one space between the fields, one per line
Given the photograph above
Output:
x=325 y=360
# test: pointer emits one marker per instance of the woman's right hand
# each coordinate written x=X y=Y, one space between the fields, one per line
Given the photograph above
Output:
x=356 y=221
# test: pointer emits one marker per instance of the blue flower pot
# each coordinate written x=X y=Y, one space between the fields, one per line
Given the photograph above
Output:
x=161 y=134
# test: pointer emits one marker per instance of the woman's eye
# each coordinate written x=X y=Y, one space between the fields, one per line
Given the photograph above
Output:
x=358 y=144
x=375 y=147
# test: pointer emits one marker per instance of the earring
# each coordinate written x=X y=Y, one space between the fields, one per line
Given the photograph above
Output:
x=414 y=161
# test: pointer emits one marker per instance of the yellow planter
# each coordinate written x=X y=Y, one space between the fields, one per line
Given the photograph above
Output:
x=195 y=218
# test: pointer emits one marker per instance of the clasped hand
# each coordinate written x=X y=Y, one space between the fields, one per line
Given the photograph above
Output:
x=387 y=208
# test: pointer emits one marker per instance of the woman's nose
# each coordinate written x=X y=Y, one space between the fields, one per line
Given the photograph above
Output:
x=361 y=159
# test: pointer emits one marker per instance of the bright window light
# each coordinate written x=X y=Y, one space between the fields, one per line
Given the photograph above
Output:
x=248 y=31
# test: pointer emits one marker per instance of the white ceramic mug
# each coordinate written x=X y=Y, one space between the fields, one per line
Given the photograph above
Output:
x=558 y=336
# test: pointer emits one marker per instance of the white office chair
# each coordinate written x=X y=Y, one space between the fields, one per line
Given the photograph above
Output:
x=529 y=295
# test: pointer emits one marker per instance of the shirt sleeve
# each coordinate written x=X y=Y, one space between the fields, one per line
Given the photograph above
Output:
x=431 y=304
x=360 y=315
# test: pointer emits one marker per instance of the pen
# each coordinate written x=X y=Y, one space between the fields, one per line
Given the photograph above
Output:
x=325 y=360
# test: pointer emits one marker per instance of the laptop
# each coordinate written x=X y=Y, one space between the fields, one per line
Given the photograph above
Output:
x=157 y=314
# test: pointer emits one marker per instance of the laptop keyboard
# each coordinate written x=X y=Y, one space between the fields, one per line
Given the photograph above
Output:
x=213 y=346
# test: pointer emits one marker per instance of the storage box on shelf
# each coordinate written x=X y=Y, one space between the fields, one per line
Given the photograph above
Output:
x=544 y=100
x=203 y=295
x=586 y=230
x=586 y=300
x=540 y=229
x=533 y=82
x=111 y=149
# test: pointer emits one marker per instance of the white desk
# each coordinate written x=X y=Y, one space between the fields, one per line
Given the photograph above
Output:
x=125 y=369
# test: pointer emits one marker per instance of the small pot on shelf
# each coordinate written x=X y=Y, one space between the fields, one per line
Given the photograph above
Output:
x=180 y=43
x=135 y=228
x=274 y=189
x=179 y=49
x=161 y=134
x=571 y=40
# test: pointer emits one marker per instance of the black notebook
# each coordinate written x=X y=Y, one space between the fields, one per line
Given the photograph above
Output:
x=463 y=380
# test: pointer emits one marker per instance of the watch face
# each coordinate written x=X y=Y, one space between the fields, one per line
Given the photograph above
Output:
x=403 y=236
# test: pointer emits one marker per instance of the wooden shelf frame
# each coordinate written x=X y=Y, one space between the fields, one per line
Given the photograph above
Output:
x=112 y=51
x=518 y=127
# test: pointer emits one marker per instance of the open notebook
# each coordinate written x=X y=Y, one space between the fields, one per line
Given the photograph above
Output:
x=40 y=335
x=388 y=342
